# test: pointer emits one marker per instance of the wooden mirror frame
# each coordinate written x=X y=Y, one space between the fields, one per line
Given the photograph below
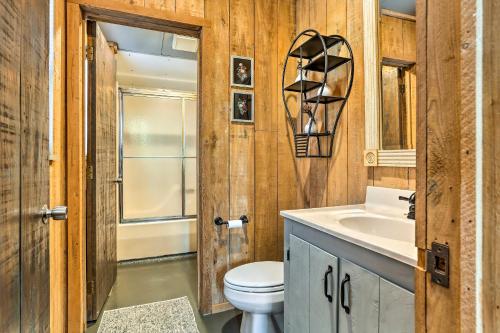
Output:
x=373 y=154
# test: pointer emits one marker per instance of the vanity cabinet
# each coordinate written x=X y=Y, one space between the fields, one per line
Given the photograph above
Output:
x=297 y=287
x=397 y=308
x=359 y=299
x=312 y=287
x=325 y=292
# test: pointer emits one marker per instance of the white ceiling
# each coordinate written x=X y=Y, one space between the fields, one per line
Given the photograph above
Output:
x=146 y=70
x=143 y=41
x=400 y=6
x=146 y=59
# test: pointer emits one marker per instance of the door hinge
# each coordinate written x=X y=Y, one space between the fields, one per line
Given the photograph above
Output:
x=288 y=255
x=90 y=172
x=90 y=52
x=91 y=287
x=438 y=264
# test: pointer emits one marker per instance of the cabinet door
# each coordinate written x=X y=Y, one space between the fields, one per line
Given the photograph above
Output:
x=397 y=307
x=323 y=278
x=360 y=310
x=298 y=288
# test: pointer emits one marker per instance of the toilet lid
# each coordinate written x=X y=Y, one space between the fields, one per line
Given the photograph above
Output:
x=267 y=275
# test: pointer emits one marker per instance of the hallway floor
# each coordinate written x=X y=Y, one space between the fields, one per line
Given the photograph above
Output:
x=152 y=281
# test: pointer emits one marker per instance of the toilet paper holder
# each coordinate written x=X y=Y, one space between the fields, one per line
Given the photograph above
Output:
x=219 y=221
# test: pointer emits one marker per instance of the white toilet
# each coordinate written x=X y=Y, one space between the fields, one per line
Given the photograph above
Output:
x=257 y=289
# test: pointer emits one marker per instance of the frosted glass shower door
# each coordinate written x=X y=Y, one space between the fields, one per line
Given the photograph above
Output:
x=154 y=164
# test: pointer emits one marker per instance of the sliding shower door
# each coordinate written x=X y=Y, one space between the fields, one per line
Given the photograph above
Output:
x=157 y=156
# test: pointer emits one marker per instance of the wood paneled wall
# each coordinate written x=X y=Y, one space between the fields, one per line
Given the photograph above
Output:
x=245 y=156
x=343 y=178
x=251 y=169
x=184 y=7
x=239 y=163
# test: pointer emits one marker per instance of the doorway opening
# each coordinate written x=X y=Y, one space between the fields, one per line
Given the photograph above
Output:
x=157 y=141
x=142 y=185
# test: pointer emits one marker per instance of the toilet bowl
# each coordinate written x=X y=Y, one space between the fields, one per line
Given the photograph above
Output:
x=257 y=289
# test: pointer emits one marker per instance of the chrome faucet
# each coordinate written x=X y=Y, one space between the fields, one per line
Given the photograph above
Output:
x=411 y=201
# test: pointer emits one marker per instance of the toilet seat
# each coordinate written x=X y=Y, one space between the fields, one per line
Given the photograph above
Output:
x=271 y=289
x=256 y=277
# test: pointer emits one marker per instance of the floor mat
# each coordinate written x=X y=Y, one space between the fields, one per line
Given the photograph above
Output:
x=175 y=316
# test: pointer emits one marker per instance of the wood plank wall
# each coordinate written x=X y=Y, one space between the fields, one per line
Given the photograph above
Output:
x=250 y=169
x=343 y=178
x=239 y=163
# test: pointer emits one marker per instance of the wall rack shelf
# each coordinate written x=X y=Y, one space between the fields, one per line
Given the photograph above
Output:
x=303 y=86
x=314 y=128
x=324 y=99
x=314 y=46
x=318 y=65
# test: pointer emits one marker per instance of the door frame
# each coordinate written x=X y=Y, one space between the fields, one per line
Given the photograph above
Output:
x=58 y=229
x=77 y=12
x=452 y=176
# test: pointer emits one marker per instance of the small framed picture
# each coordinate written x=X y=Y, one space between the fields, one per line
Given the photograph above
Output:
x=242 y=106
x=241 y=72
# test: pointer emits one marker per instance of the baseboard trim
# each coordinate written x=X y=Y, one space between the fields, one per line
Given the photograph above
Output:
x=169 y=257
x=217 y=308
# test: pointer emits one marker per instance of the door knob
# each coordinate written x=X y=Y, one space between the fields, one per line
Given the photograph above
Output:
x=59 y=213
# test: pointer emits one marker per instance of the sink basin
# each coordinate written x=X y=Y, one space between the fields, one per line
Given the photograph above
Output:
x=381 y=227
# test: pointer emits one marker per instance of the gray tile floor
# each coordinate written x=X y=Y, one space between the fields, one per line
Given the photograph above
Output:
x=146 y=282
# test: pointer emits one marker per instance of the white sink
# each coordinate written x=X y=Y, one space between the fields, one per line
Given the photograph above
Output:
x=381 y=226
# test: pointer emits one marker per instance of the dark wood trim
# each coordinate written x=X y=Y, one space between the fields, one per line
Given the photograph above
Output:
x=119 y=13
x=421 y=201
x=146 y=18
x=491 y=168
x=421 y=169
x=75 y=34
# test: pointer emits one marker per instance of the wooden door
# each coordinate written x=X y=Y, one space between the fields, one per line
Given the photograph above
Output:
x=360 y=310
x=101 y=166
x=323 y=301
x=298 y=288
x=24 y=172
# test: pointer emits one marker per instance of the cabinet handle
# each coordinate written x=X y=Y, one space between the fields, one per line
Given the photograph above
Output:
x=328 y=271
x=342 y=293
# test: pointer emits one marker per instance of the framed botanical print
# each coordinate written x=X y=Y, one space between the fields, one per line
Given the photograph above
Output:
x=242 y=106
x=241 y=72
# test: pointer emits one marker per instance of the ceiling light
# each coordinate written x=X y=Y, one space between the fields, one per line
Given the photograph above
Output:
x=184 y=43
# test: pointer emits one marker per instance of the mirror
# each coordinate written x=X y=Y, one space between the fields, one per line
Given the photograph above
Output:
x=398 y=103
x=390 y=82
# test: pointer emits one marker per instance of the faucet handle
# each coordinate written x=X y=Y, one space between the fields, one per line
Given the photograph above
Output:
x=410 y=199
